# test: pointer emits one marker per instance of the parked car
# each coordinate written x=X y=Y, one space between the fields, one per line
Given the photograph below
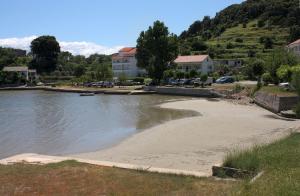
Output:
x=225 y=79
x=181 y=82
x=173 y=82
x=107 y=84
x=208 y=82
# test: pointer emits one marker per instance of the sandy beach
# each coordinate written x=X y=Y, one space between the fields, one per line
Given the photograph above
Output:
x=200 y=142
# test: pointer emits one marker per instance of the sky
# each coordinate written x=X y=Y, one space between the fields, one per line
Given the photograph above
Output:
x=96 y=26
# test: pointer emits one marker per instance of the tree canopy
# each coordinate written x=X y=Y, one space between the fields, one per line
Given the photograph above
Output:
x=156 y=48
x=45 y=51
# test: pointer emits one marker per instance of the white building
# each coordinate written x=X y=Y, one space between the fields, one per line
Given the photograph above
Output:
x=295 y=47
x=125 y=63
x=199 y=63
x=28 y=74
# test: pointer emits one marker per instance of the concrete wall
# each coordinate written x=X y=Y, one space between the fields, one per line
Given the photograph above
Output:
x=275 y=103
x=196 y=92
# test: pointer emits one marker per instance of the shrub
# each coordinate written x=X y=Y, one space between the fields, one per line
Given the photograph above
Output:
x=179 y=74
x=229 y=46
x=139 y=79
x=203 y=79
x=239 y=40
x=261 y=23
x=266 y=77
x=238 y=88
x=193 y=73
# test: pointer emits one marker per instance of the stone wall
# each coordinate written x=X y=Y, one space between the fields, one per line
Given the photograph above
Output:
x=275 y=103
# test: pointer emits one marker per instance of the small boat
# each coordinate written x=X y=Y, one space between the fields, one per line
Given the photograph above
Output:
x=87 y=94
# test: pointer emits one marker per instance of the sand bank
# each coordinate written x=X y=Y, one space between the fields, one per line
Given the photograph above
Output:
x=199 y=142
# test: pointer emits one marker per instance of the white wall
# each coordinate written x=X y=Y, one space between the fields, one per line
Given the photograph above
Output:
x=204 y=67
x=128 y=67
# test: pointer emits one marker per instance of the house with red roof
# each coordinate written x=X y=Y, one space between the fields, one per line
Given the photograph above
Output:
x=124 y=62
x=295 y=47
x=199 y=63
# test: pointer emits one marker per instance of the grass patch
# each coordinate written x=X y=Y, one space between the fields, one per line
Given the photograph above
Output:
x=73 y=178
x=280 y=161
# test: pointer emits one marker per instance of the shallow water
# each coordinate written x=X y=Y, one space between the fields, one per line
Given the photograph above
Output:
x=65 y=123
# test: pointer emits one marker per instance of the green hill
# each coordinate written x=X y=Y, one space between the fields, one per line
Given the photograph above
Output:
x=253 y=28
x=243 y=42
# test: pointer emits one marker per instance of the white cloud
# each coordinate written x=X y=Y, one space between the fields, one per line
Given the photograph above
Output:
x=76 y=48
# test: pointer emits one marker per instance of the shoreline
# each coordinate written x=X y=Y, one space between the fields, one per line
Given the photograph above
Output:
x=65 y=89
x=197 y=143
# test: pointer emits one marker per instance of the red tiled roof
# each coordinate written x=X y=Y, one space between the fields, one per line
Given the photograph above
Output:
x=295 y=42
x=127 y=49
x=191 y=59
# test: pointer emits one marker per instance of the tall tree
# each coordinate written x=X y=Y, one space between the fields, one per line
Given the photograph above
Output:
x=45 y=50
x=156 y=47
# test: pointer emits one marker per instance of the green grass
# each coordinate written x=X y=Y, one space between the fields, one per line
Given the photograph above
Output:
x=278 y=91
x=280 y=161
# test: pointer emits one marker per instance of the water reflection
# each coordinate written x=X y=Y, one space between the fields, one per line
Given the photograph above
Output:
x=62 y=123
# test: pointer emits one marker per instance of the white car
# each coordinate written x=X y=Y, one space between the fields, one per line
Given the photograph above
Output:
x=208 y=82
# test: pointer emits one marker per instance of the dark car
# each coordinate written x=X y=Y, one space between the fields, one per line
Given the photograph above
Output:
x=225 y=79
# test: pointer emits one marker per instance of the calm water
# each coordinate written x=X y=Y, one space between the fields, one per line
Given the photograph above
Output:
x=62 y=123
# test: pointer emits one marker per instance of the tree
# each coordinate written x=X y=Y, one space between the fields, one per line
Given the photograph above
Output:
x=79 y=70
x=203 y=79
x=284 y=72
x=103 y=72
x=179 y=74
x=169 y=74
x=294 y=33
x=193 y=73
x=258 y=70
x=261 y=23
x=198 y=45
x=268 y=43
x=45 y=50
x=266 y=77
x=156 y=47
x=278 y=58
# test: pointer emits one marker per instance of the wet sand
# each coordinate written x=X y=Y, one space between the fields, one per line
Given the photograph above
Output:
x=198 y=143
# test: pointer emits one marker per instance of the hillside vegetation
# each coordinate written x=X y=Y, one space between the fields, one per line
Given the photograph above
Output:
x=247 y=41
x=253 y=28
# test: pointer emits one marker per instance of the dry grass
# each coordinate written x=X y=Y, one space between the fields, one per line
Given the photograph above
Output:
x=72 y=178
x=278 y=91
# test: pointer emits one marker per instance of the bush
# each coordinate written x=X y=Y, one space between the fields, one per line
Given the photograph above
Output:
x=139 y=79
x=284 y=73
x=193 y=73
x=261 y=23
x=203 y=79
x=266 y=77
x=238 y=88
x=239 y=40
x=229 y=46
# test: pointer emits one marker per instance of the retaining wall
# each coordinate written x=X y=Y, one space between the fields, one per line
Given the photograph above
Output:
x=196 y=92
x=274 y=102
